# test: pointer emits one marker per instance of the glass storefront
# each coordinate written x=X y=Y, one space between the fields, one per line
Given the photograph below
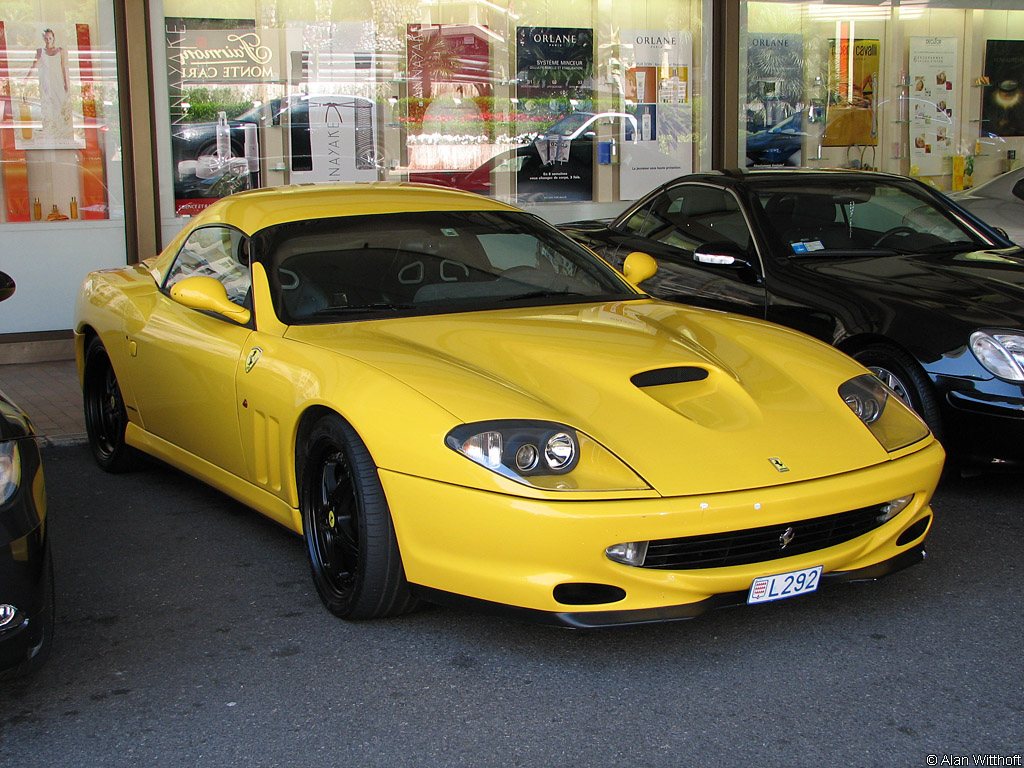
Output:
x=537 y=105
x=568 y=110
x=61 y=207
x=933 y=90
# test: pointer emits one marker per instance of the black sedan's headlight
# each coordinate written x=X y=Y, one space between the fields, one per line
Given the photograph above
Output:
x=1001 y=353
x=543 y=454
x=10 y=470
x=890 y=420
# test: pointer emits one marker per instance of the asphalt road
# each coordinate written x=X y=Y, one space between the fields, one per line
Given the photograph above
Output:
x=189 y=634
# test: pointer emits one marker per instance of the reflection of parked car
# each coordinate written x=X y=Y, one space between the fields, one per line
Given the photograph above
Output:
x=194 y=145
x=26 y=568
x=452 y=401
x=883 y=267
x=779 y=144
x=999 y=202
x=557 y=165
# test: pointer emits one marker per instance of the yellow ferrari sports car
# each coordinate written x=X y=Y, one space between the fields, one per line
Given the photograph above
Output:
x=453 y=402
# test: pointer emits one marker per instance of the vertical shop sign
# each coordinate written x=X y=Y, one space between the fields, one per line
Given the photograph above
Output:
x=658 y=65
x=92 y=204
x=554 y=61
x=332 y=139
x=207 y=59
x=13 y=167
x=554 y=67
x=851 y=117
x=933 y=101
x=775 y=85
x=448 y=60
x=1002 y=112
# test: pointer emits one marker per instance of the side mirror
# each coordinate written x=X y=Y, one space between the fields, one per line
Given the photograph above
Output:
x=207 y=294
x=723 y=254
x=638 y=267
x=6 y=286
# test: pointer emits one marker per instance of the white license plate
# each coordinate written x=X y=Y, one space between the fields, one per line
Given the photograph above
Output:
x=783 y=585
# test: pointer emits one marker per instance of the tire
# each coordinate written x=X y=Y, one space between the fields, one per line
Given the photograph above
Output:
x=902 y=374
x=350 y=537
x=105 y=416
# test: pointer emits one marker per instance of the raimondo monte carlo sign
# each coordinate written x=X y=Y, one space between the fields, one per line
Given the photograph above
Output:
x=238 y=55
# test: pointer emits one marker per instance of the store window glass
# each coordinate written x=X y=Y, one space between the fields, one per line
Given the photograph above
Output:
x=525 y=102
x=933 y=90
x=59 y=133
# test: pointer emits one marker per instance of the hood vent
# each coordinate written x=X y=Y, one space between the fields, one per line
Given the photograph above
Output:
x=677 y=375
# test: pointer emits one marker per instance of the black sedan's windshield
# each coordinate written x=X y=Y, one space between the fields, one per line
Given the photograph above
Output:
x=812 y=217
x=379 y=265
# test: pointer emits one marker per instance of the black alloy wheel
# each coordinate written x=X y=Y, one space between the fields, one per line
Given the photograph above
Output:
x=105 y=415
x=350 y=538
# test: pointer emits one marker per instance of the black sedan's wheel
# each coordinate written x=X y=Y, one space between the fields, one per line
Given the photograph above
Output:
x=357 y=567
x=105 y=416
x=902 y=374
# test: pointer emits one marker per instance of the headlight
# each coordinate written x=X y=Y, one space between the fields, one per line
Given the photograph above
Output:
x=10 y=470
x=1001 y=353
x=892 y=422
x=544 y=455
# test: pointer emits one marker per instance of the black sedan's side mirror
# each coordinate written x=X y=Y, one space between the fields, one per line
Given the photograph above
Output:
x=722 y=254
x=6 y=286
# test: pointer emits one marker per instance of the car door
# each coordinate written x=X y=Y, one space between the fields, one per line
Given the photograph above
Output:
x=186 y=359
x=672 y=225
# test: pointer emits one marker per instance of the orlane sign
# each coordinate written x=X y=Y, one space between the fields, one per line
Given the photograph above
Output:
x=221 y=55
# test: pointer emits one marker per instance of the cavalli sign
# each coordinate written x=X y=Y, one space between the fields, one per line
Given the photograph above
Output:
x=221 y=55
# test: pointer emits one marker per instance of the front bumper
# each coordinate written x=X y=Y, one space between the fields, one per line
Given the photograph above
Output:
x=983 y=420
x=25 y=568
x=624 y=618
x=514 y=552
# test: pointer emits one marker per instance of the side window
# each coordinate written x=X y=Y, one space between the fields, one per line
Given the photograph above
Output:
x=636 y=222
x=700 y=214
x=218 y=252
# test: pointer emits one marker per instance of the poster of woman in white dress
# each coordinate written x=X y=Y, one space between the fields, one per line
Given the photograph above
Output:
x=44 y=113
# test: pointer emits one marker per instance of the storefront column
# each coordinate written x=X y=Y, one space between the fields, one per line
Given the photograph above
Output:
x=135 y=82
x=725 y=84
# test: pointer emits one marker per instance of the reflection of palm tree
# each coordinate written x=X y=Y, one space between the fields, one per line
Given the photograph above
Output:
x=435 y=58
x=774 y=73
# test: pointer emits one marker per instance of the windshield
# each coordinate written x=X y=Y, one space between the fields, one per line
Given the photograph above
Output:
x=327 y=270
x=822 y=216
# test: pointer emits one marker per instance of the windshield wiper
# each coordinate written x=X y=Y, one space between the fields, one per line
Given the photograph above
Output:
x=959 y=246
x=539 y=295
x=346 y=308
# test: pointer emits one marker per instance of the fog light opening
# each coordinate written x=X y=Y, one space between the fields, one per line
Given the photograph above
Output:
x=914 y=532
x=588 y=594
x=629 y=553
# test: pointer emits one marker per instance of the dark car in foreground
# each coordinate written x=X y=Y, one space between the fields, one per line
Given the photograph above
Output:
x=26 y=568
x=883 y=267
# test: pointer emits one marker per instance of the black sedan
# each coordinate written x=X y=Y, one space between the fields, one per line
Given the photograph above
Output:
x=26 y=570
x=883 y=267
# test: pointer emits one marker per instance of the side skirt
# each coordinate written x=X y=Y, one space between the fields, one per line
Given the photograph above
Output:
x=241 y=490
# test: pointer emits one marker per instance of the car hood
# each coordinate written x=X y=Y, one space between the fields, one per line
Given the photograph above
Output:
x=979 y=288
x=770 y=393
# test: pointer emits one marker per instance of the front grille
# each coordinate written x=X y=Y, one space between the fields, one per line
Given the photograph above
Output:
x=756 y=545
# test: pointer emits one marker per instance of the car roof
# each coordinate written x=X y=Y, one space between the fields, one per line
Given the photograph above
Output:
x=256 y=209
x=734 y=178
